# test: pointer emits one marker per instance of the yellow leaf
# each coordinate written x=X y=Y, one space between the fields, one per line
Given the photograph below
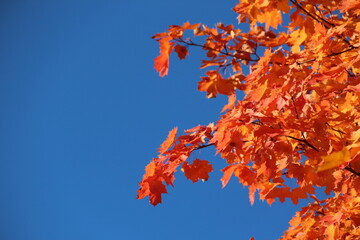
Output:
x=355 y=136
x=348 y=103
x=330 y=232
x=298 y=37
x=334 y=159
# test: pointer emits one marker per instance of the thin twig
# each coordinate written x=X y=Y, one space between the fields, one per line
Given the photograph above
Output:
x=203 y=146
x=320 y=20
x=316 y=18
x=352 y=171
x=303 y=141
x=330 y=55
x=191 y=43
x=336 y=130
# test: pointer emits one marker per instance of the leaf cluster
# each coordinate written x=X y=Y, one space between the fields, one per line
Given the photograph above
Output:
x=299 y=119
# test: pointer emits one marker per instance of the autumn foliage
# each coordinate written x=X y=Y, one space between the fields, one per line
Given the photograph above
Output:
x=299 y=119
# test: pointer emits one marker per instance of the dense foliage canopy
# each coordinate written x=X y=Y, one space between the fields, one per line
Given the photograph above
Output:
x=299 y=118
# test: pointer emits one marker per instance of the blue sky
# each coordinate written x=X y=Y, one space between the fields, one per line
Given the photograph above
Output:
x=82 y=113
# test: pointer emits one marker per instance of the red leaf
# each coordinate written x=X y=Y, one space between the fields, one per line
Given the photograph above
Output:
x=181 y=51
x=228 y=171
x=199 y=169
x=156 y=189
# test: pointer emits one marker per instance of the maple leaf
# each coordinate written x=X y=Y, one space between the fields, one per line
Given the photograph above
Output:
x=161 y=63
x=199 y=169
x=156 y=188
x=214 y=83
x=169 y=141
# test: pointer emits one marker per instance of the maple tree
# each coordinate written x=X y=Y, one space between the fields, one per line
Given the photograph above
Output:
x=299 y=118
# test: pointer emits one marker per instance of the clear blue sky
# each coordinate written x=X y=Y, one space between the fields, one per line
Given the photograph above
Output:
x=82 y=113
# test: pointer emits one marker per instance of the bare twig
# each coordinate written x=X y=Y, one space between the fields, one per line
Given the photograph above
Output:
x=336 y=130
x=303 y=141
x=321 y=20
x=203 y=146
x=315 y=17
x=226 y=53
x=352 y=171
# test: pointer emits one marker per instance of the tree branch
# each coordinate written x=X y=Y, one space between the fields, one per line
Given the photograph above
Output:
x=319 y=19
x=203 y=146
x=352 y=171
x=303 y=141
x=330 y=55
x=191 y=43
x=315 y=17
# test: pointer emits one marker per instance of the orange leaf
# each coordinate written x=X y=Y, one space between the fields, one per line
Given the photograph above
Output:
x=144 y=190
x=228 y=172
x=231 y=102
x=258 y=93
x=169 y=141
x=161 y=62
x=189 y=26
x=270 y=18
x=150 y=170
x=214 y=83
x=252 y=190
x=199 y=169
